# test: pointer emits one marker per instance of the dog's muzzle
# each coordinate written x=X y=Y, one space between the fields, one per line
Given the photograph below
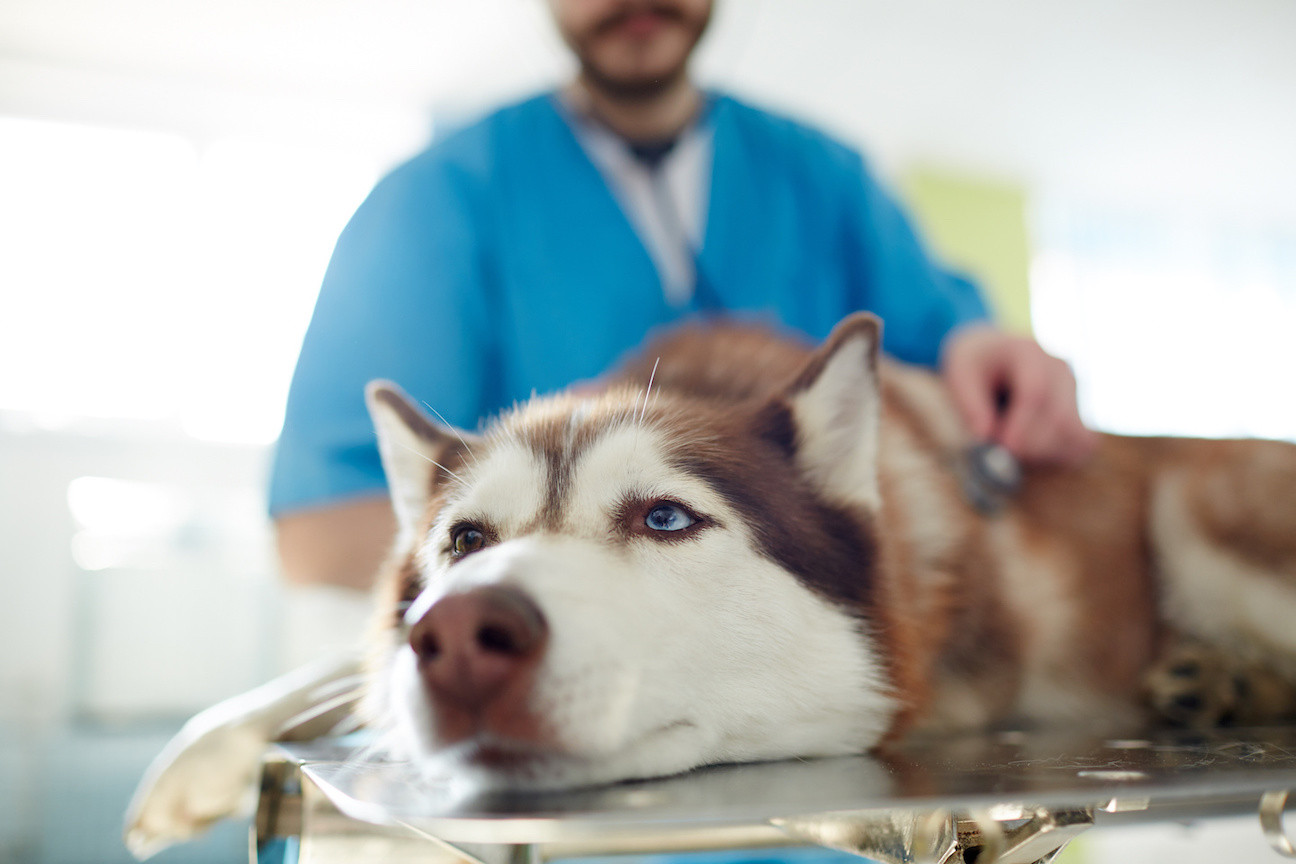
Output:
x=477 y=654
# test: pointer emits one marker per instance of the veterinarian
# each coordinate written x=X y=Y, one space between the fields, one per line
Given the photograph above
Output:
x=535 y=248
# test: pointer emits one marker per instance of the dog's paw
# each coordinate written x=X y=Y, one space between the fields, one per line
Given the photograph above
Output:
x=1199 y=686
x=1191 y=685
x=1262 y=697
x=206 y=773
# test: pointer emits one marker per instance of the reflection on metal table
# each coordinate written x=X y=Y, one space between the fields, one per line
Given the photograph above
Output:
x=1011 y=797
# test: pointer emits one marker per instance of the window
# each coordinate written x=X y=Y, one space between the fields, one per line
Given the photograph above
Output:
x=148 y=278
x=1175 y=323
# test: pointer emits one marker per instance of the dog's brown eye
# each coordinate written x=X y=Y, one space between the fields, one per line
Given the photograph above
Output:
x=465 y=540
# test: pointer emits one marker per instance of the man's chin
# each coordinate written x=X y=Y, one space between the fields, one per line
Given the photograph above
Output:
x=636 y=87
x=640 y=56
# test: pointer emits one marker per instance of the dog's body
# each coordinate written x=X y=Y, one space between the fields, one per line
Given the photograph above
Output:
x=750 y=549
x=766 y=554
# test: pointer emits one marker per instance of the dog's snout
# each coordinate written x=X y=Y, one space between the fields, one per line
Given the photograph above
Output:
x=471 y=645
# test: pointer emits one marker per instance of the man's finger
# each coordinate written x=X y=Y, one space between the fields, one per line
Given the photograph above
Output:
x=1082 y=443
x=1058 y=437
x=972 y=387
x=1029 y=407
x=1048 y=440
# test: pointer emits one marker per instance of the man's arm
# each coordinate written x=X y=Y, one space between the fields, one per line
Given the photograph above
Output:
x=919 y=300
x=403 y=299
x=343 y=544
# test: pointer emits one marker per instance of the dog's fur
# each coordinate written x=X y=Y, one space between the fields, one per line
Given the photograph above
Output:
x=828 y=587
x=834 y=589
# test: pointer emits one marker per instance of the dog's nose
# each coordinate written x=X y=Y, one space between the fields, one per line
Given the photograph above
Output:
x=471 y=645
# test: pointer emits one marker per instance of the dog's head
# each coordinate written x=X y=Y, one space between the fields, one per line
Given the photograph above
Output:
x=637 y=583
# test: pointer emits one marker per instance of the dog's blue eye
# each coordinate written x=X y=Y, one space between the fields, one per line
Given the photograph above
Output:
x=668 y=517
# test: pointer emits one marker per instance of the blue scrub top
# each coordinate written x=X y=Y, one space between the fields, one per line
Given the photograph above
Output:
x=498 y=263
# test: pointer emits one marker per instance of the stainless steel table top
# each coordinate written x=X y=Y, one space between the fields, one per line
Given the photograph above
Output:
x=1162 y=775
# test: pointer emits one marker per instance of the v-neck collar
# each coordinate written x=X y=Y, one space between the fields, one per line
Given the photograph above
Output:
x=713 y=114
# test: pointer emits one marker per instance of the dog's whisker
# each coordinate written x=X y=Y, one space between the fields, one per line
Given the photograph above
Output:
x=433 y=461
x=320 y=709
x=448 y=425
x=348 y=724
x=651 y=377
x=350 y=683
x=634 y=411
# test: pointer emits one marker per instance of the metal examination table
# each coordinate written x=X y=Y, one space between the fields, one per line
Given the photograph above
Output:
x=1010 y=797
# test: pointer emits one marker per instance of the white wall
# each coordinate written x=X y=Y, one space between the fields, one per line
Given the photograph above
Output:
x=1115 y=98
x=143 y=623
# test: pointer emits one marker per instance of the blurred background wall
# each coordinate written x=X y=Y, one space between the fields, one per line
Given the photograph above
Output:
x=173 y=174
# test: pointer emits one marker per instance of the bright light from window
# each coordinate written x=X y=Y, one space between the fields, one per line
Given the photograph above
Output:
x=90 y=233
x=143 y=278
x=115 y=506
x=119 y=519
x=1174 y=324
x=170 y=528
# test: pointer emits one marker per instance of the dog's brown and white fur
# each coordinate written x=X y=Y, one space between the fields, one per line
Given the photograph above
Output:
x=829 y=588
x=763 y=552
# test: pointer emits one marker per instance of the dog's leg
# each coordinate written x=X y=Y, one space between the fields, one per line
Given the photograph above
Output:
x=208 y=771
x=1224 y=540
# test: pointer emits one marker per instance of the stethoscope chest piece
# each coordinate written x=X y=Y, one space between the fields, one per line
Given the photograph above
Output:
x=991 y=477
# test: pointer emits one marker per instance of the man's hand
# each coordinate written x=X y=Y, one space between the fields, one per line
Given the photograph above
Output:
x=1011 y=392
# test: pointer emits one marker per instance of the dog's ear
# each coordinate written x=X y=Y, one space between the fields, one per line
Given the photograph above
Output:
x=835 y=403
x=417 y=451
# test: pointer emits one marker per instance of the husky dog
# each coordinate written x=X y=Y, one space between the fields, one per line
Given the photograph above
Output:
x=747 y=548
x=762 y=552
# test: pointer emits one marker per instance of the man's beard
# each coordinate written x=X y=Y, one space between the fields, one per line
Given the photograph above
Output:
x=635 y=88
x=632 y=90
